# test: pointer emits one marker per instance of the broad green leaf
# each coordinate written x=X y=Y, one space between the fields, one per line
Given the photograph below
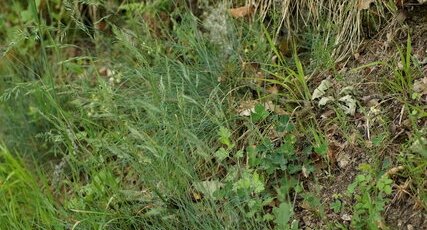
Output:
x=260 y=113
x=283 y=215
x=284 y=124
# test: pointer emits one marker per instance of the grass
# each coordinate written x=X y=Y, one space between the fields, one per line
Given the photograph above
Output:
x=128 y=115
x=18 y=188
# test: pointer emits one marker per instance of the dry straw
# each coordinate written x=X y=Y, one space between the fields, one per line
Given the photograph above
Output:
x=340 y=21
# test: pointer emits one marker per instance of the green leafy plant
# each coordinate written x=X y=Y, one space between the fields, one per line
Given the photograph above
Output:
x=224 y=138
x=370 y=194
x=336 y=206
x=259 y=114
x=283 y=215
x=284 y=124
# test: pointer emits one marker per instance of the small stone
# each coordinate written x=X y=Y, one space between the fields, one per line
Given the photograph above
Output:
x=103 y=71
x=343 y=160
x=346 y=217
x=373 y=102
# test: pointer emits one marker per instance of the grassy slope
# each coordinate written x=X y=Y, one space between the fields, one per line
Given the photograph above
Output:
x=136 y=127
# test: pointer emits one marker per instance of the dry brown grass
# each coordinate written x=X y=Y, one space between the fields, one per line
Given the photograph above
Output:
x=338 y=21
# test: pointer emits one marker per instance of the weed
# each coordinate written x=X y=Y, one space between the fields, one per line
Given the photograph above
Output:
x=370 y=193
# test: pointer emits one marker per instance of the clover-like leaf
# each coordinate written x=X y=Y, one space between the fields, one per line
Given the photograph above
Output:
x=260 y=113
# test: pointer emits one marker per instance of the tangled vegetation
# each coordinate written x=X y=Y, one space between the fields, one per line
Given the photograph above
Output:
x=198 y=114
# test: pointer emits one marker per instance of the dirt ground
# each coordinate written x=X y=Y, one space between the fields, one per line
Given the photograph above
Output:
x=402 y=212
